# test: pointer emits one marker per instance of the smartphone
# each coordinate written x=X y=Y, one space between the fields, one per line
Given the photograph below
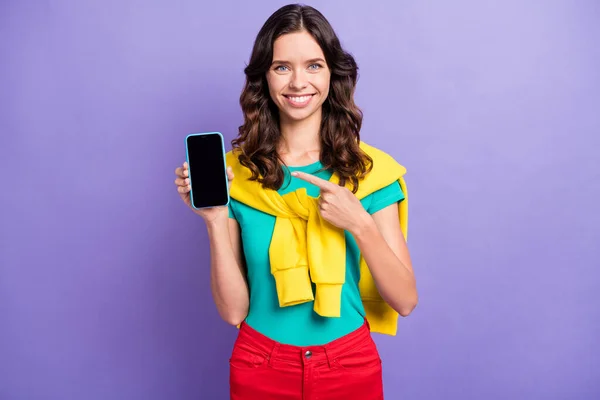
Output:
x=205 y=153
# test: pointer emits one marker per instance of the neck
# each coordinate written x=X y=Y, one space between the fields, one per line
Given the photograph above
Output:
x=300 y=137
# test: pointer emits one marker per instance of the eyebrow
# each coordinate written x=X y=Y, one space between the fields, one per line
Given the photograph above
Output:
x=312 y=60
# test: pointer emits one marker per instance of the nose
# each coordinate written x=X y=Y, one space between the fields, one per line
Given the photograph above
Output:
x=298 y=80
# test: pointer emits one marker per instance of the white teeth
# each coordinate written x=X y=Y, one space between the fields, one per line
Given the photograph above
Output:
x=300 y=99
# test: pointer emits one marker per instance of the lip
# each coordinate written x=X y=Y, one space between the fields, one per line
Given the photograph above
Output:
x=299 y=95
x=299 y=105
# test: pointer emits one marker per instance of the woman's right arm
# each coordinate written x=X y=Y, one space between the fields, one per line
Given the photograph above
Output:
x=227 y=272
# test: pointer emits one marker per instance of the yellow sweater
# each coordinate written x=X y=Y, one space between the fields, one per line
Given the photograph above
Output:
x=305 y=248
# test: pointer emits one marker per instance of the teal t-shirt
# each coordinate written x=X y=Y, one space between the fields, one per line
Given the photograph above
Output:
x=299 y=325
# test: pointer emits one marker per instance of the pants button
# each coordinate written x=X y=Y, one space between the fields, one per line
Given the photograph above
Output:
x=308 y=354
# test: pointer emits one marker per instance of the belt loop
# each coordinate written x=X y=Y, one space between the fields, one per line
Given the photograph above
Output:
x=327 y=356
x=273 y=352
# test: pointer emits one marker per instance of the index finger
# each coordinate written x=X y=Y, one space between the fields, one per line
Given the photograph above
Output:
x=318 y=182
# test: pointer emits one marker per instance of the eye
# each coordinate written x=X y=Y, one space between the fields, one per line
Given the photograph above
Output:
x=315 y=67
x=280 y=68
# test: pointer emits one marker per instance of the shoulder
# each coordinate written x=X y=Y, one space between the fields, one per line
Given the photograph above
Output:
x=239 y=171
x=384 y=172
x=232 y=156
x=383 y=163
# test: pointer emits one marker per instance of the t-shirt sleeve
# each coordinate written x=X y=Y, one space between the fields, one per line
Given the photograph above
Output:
x=384 y=197
x=231 y=211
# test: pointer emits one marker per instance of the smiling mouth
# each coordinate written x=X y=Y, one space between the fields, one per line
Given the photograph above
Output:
x=299 y=101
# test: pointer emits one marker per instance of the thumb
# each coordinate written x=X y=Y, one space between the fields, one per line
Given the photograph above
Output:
x=230 y=176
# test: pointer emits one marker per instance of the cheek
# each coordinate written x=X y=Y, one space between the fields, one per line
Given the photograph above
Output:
x=275 y=85
x=323 y=85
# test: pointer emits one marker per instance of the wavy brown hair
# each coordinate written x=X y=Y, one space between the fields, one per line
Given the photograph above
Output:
x=259 y=135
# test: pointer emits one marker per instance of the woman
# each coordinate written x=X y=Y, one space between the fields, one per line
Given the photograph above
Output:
x=310 y=256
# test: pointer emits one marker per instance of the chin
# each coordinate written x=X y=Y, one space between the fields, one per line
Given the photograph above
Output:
x=297 y=116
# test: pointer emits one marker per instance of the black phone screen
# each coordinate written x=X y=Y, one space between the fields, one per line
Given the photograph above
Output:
x=208 y=177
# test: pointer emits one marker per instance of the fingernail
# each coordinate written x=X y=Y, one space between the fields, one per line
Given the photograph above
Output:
x=294 y=174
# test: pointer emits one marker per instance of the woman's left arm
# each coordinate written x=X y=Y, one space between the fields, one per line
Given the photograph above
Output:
x=379 y=238
x=384 y=248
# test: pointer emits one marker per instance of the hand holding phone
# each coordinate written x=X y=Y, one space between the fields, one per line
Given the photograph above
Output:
x=203 y=181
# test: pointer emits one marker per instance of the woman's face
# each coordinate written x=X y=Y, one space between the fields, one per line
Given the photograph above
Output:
x=298 y=77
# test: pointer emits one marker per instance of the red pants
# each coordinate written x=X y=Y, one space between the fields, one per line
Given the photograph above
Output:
x=348 y=368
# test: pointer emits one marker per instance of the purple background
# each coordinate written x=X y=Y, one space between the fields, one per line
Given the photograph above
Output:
x=492 y=106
